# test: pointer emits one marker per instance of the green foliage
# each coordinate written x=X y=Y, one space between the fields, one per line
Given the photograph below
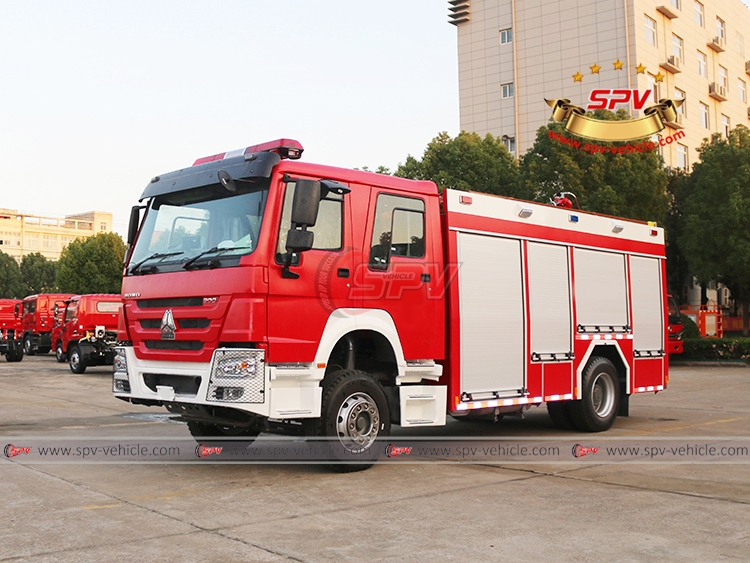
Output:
x=716 y=214
x=379 y=170
x=716 y=349
x=466 y=162
x=92 y=265
x=690 y=329
x=11 y=282
x=631 y=185
x=38 y=274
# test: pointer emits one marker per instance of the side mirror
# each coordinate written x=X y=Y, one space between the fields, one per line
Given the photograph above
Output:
x=306 y=203
x=135 y=219
x=299 y=241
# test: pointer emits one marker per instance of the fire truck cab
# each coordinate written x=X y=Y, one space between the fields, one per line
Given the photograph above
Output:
x=264 y=293
x=38 y=321
x=87 y=331
x=11 y=341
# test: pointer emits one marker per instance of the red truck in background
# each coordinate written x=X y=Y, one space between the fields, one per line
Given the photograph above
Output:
x=86 y=330
x=11 y=340
x=38 y=321
x=675 y=327
x=263 y=293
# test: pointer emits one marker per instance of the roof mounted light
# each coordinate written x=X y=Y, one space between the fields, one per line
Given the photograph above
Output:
x=285 y=148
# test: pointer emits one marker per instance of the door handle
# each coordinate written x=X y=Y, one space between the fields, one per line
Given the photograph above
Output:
x=425 y=277
x=343 y=272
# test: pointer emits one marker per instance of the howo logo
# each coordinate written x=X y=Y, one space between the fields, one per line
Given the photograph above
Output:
x=167 y=325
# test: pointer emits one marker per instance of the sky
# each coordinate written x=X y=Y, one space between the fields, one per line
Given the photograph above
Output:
x=99 y=97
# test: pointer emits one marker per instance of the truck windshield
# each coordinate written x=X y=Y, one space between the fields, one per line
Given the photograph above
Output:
x=180 y=226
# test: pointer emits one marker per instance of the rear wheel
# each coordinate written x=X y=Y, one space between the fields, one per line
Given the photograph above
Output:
x=59 y=353
x=14 y=355
x=77 y=364
x=600 y=400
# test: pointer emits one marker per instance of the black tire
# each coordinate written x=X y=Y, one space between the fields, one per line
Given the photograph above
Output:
x=76 y=361
x=59 y=352
x=14 y=356
x=354 y=396
x=559 y=412
x=28 y=347
x=600 y=399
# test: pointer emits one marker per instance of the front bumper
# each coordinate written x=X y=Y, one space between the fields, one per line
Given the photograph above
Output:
x=235 y=378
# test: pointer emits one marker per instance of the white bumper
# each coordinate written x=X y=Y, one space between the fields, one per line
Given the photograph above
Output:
x=268 y=391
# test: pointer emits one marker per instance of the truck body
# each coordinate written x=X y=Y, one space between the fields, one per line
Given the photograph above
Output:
x=38 y=321
x=11 y=335
x=87 y=331
x=261 y=292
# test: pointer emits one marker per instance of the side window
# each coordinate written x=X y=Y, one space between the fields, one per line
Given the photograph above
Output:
x=328 y=230
x=71 y=311
x=398 y=230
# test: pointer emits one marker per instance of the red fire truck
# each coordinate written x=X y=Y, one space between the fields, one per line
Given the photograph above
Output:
x=675 y=327
x=11 y=343
x=87 y=331
x=261 y=292
x=38 y=321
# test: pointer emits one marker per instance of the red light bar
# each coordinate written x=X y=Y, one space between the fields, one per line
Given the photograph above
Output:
x=285 y=148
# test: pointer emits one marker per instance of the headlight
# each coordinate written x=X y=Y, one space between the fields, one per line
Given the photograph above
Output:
x=120 y=381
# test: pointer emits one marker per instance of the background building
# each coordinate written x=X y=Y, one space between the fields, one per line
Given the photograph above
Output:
x=22 y=233
x=512 y=54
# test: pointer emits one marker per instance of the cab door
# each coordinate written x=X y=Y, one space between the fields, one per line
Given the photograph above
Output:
x=299 y=308
x=401 y=271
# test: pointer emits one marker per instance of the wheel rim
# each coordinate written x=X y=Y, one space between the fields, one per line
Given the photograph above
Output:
x=74 y=359
x=358 y=422
x=59 y=352
x=603 y=395
x=27 y=345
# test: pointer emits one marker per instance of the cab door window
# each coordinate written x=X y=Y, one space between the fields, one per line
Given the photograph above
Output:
x=328 y=230
x=398 y=230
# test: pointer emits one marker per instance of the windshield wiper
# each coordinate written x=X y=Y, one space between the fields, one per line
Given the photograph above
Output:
x=214 y=250
x=134 y=269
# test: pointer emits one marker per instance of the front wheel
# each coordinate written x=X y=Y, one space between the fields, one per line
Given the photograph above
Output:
x=600 y=400
x=59 y=353
x=28 y=347
x=77 y=364
x=355 y=414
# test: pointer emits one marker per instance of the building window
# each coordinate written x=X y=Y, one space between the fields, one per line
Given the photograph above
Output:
x=49 y=242
x=720 y=28
x=509 y=90
x=103 y=227
x=510 y=144
x=705 y=123
x=650 y=30
x=682 y=156
x=653 y=86
x=723 y=77
x=32 y=241
x=506 y=36
x=677 y=47
x=676 y=4
x=680 y=95
x=742 y=87
x=698 y=11
x=725 y=125
x=702 y=65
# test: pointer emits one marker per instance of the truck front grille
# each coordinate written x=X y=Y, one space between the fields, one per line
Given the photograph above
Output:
x=173 y=344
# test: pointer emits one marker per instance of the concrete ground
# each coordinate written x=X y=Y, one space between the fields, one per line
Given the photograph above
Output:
x=423 y=512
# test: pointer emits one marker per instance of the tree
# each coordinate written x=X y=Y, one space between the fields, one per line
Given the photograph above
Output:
x=716 y=237
x=466 y=162
x=678 y=269
x=92 y=265
x=11 y=282
x=38 y=274
x=631 y=185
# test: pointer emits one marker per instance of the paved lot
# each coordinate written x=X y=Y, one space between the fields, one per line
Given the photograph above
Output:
x=428 y=512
